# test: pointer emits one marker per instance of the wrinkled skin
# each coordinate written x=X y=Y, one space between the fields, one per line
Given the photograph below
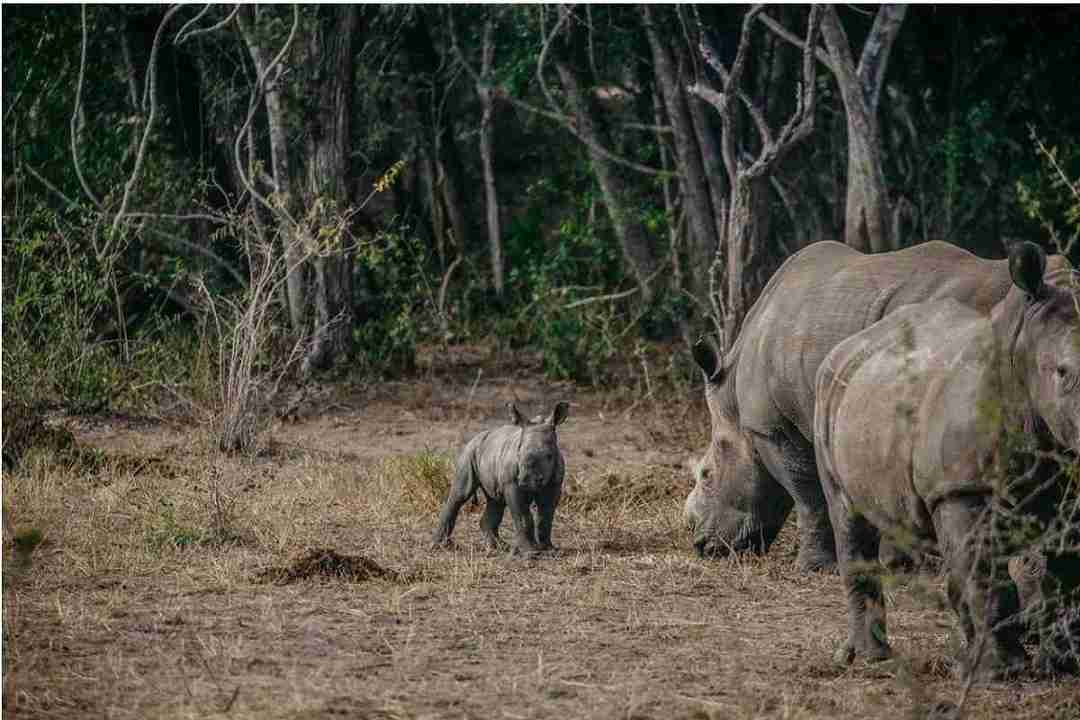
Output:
x=909 y=423
x=515 y=466
x=760 y=462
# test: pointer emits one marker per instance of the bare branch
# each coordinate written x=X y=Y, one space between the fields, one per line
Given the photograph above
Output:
x=601 y=298
x=801 y=122
x=563 y=15
x=59 y=193
x=75 y=118
x=731 y=83
x=791 y=38
x=184 y=35
x=256 y=96
x=151 y=89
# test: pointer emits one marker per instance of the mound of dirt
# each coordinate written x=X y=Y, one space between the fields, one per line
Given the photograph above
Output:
x=326 y=563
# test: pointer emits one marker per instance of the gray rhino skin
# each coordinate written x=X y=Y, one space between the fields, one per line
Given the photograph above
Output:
x=760 y=460
x=909 y=420
x=515 y=466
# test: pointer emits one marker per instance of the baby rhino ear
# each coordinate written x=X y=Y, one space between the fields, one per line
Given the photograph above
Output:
x=559 y=414
x=515 y=417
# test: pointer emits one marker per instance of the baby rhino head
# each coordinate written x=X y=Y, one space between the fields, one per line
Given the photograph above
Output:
x=538 y=455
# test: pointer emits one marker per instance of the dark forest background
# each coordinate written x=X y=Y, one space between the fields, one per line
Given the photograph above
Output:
x=204 y=203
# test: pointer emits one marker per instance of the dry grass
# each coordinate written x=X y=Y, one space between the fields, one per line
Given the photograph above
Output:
x=144 y=600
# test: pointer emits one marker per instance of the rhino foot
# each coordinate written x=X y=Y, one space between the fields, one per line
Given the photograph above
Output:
x=846 y=654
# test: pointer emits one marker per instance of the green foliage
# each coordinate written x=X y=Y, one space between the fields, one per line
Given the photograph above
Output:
x=1051 y=195
x=400 y=271
x=59 y=313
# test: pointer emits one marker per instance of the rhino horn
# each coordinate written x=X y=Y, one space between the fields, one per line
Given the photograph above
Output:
x=1027 y=266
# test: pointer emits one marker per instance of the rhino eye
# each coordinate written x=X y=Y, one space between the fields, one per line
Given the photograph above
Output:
x=1068 y=379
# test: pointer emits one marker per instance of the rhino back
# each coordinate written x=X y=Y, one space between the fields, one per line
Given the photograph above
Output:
x=493 y=457
x=896 y=410
x=829 y=296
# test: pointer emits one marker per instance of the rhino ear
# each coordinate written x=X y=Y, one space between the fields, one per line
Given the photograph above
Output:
x=1027 y=266
x=706 y=359
x=558 y=415
x=516 y=417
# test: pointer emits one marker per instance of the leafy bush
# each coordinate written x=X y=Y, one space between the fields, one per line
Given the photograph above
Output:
x=61 y=324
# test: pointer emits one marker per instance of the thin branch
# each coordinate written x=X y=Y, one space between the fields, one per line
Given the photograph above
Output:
x=601 y=298
x=181 y=217
x=205 y=252
x=59 y=193
x=256 y=96
x=26 y=81
x=179 y=36
x=151 y=89
x=209 y=254
x=619 y=295
x=182 y=37
x=563 y=15
x=792 y=39
x=501 y=93
x=731 y=83
x=75 y=118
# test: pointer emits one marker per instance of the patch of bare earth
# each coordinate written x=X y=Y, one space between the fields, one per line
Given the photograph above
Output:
x=149 y=597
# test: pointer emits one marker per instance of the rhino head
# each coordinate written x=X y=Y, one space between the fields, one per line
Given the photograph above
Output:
x=538 y=455
x=735 y=504
x=1041 y=325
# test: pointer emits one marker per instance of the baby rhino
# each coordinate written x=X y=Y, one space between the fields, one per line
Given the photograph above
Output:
x=515 y=465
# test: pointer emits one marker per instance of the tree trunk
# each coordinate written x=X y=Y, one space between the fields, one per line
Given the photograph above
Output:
x=487 y=155
x=329 y=148
x=425 y=63
x=747 y=230
x=696 y=184
x=280 y=170
x=633 y=238
x=868 y=224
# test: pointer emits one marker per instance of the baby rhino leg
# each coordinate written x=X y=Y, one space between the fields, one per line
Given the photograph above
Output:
x=463 y=488
x=546 y=502
x=489 y=523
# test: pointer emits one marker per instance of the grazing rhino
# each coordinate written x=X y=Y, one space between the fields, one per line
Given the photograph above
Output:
x=515 y=465
x=760 y=460
x=911 y=420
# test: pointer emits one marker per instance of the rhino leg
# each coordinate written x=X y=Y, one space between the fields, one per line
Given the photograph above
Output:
x=546 y=502
x=490 y=521
x=979 y=590
x=464 y=487
x=524 y=530
x=793 y=466
x=857 y=546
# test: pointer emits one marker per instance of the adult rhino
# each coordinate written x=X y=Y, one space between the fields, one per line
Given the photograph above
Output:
x=760 y=461
x=912 y=420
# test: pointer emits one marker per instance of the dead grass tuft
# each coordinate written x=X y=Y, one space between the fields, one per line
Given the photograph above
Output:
x=326 y=563
x=422 y=479
x=612 y=490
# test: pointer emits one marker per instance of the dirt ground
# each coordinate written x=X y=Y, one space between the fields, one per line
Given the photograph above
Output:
x=299 y=583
